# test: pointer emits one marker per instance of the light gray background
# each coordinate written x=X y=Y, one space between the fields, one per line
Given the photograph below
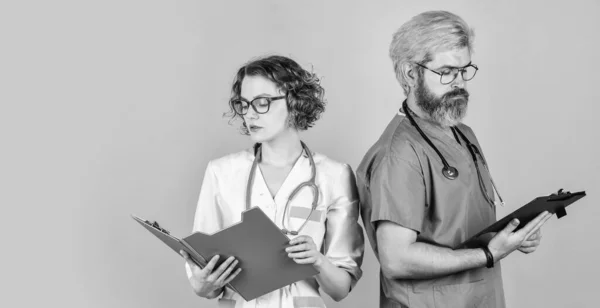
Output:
x=114 y=107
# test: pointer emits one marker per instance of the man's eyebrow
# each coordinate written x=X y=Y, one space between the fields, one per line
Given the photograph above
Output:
x=450 y=66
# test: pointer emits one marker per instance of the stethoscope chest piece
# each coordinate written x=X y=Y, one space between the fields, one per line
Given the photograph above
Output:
x=450 y=172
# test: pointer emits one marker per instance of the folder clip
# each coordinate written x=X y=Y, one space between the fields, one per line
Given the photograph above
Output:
x=558 y=196
x=157 y=227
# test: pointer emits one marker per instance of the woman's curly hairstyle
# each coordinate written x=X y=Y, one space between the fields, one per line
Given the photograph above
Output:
x=302 y=89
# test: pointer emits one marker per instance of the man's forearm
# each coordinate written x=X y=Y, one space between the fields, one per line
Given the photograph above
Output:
x=422 y=261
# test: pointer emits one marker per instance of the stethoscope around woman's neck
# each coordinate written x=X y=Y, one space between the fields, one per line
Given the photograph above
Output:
x=451 y=172
x=311 y=183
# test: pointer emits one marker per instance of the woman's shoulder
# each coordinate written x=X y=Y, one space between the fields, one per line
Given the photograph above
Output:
x=330 y=166
x=232 y=161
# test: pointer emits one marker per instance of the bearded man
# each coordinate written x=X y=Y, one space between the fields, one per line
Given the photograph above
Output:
x=424 y=186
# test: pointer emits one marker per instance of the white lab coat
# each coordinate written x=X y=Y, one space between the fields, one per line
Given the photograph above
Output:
x=334 y=227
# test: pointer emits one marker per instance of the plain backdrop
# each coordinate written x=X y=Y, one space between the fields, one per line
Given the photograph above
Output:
x=112 y=108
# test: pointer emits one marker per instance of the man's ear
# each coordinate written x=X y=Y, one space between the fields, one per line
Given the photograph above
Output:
x=410 y=74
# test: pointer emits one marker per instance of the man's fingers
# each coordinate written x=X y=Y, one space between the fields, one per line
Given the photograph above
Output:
x=535 y=235
x=532 y=243
x=538 y=224
x=533 y=225
x=511 y=226
x=527 y=249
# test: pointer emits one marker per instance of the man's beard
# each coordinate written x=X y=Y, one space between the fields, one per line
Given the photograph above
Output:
x=447 y=110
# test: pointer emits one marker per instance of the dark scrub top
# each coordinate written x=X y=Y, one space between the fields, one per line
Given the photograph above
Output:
x=400 y=180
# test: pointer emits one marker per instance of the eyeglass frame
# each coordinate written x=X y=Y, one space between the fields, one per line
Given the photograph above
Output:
x=269 y=99
x=462 y=70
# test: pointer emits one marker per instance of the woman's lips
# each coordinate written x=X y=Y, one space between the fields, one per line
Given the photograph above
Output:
x=254 y=128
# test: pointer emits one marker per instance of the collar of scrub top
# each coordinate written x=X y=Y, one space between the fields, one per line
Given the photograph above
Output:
x=311 y=184
x=451 y=172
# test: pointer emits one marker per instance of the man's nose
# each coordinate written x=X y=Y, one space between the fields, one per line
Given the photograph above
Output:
x=459 y=82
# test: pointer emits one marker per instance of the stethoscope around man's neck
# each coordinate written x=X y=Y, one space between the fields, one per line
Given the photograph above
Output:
x=451 y=172
x=311 y=183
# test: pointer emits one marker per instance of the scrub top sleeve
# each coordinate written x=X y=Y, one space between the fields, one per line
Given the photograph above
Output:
x=398 y=193
x=206 y=219
x=343 y=244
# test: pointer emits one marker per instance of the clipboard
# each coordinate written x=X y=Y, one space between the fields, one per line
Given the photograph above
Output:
x=555 y=204
x=256 y=242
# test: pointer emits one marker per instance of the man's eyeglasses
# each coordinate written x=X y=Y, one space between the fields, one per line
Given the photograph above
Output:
x=448 y=74
x=260 y=105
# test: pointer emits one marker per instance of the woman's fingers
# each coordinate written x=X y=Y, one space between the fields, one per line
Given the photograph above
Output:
x=310 y=260
x=232 y=276
x=227 y=272
x=300 y=255
x=300 y=239
x=296 y=248
x=219 y=271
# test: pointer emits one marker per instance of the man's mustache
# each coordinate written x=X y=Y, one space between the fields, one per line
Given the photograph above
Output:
x=456 y=93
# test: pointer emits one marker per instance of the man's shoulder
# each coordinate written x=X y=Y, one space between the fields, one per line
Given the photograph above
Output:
x=468 y=132
x=397 y=143
x=465 y=128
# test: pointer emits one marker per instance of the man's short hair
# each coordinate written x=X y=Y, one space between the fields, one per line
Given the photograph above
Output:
x=425 y=34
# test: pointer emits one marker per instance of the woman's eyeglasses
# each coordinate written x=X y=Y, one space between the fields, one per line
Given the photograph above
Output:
x=260 y=105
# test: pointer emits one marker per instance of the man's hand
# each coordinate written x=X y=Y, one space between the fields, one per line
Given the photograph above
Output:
x=507 y=241
x=531 y=243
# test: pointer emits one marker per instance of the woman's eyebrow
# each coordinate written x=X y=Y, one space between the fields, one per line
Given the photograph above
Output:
x=259 y=95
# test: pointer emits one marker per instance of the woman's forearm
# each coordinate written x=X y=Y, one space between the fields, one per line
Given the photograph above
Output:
x=333 y=280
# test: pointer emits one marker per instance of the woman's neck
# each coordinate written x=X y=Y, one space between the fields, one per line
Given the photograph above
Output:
x=282 y=151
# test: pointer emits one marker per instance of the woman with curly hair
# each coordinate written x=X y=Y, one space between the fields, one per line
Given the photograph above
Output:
x=276 y=99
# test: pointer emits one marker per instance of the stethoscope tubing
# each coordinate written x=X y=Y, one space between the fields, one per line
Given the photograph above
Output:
x=310 y=183
x=451 y=172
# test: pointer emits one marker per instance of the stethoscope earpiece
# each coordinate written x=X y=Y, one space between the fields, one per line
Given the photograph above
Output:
x=450 y=172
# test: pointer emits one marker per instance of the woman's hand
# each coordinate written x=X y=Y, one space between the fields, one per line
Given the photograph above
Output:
x=208 y=283
x=304 y=251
